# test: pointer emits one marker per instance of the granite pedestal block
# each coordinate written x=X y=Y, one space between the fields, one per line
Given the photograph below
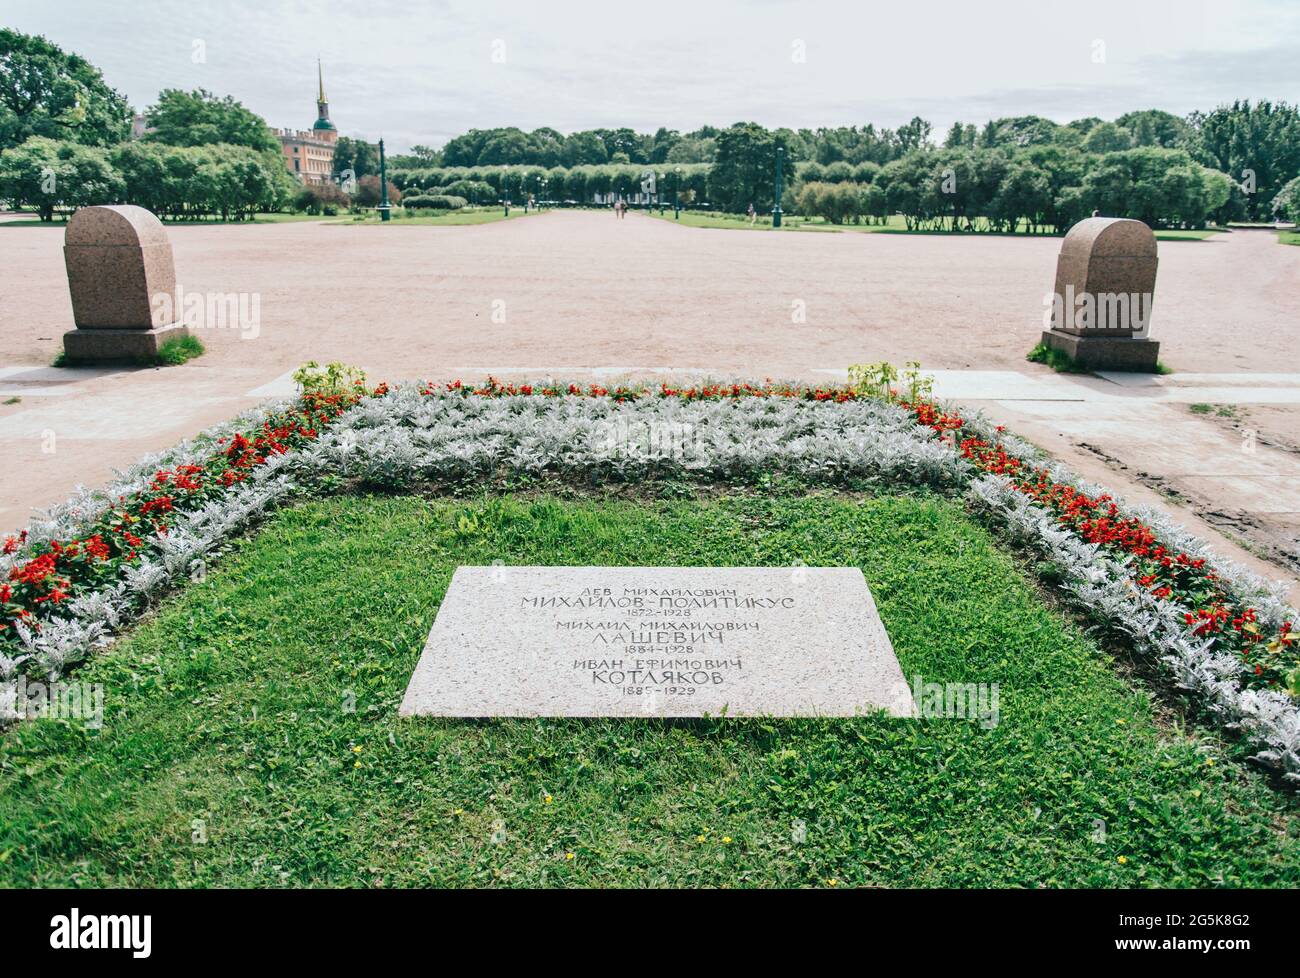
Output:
x=1093 y=352
x=85 y=346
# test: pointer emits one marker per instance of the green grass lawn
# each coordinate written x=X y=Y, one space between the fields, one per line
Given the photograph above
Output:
x=791 y=222
x=1176 y=234
x=894 y=224
x=1289 y=237
x=708 y=219
x=227 y=719
x=469 y=215
x=60 y=221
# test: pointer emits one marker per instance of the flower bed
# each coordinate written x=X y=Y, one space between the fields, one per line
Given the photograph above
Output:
x=1222 y=634
x=1269 y=649
x=413 y=435
x=98 y=542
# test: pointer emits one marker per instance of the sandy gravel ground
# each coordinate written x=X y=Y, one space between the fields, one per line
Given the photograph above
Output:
x=581 y=289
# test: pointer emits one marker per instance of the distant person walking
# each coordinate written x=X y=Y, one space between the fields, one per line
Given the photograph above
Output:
x=753 y=214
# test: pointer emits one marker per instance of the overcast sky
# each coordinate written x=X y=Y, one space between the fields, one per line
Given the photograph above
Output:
x=423 y=72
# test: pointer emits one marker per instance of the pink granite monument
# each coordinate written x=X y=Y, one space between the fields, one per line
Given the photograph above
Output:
x=118 y=260
x=1105 y=285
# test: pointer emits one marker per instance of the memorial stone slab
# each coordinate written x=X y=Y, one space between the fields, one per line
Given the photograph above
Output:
x=657 y=641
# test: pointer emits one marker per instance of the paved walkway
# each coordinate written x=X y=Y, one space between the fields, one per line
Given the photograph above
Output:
x=583 y=295
x=1194 y=444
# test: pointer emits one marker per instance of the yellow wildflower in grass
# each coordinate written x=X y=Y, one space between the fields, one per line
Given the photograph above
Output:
x=1122 y=860
x=546 y=799
x=568 y=855
x=726 y=840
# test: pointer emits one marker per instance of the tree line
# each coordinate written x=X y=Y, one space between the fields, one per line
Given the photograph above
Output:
x=219 y=179
x=1256 y=144
x=1038 y=189
x=1043 y=188
x=489 y=184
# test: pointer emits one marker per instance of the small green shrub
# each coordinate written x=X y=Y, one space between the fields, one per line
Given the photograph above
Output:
x=321 y=198
x=1058 y=360
x=873 y=378
x=437 y=202
x=877 y=380
x=333 y=378
x=178 y=349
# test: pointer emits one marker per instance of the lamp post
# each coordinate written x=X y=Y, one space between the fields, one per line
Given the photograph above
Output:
x=677 y=186
x=776 y=211
x=384 y=207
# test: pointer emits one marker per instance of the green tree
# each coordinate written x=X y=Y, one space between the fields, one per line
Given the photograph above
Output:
x=1154 y=127
x=1084 y=126
x=144 y=172
x=692 y=150
x=237 y=184
x=463 y=150
x=1257 y=144
x=1106 y=137
x=1287 y=201
x=557 y=183
x=1020 y=131
x=959 y=135
x=1160 y=187
x=45 y=91
x=48 y=174
x=913 y=135
x=912 y=184
x=199 y=118
x=624 y=141
x=1064 y=167
x=874 y=203
x=849 y=144
x=507 y=146
x=355 y=155
x=585 y=149
x=232 y=182
x=425 y=155
x=545 y=147
x=810 y=171
x=838 y=172
x=744 y=171
x=662 y=144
